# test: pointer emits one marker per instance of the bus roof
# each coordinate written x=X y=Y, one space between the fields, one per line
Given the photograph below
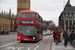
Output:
x=28 y=11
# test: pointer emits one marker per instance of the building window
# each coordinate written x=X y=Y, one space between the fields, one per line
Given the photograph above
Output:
x=74 y=15
x=67 y=15
x=70 y=27
x=66 y=22
x=73 y=19
x=63 y=15
x=74 y=23
x=63 y=18
x=74 y=26
x=70 y=19
x=70 y=12
x=66 y=11
x=70 y=22
x=63 y=26
x=66 y=27
x=66 y=19
x=74 y=11
x=70 y=15
x=63 y=22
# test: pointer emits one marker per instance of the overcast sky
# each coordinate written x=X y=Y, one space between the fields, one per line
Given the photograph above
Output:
x=48 y=9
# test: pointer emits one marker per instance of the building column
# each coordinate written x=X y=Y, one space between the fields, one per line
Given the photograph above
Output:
x=68 y=21
x=72 y=22
x=64 y=22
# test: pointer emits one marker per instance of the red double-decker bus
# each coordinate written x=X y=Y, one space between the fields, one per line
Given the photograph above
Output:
x=30 y=26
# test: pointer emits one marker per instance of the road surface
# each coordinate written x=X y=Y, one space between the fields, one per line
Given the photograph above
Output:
x=9 y=42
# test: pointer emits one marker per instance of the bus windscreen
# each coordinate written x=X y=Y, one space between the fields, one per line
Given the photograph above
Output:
x=27 y=30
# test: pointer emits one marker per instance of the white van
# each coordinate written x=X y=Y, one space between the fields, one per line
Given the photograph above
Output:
x=44 y=33
x=48 y=32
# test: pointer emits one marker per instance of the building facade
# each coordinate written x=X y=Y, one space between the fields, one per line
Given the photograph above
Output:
x=22 y=5
x=48 y=25
x=67 y=17
x=9 y=22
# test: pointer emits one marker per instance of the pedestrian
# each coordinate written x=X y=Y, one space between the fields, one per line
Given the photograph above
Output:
x=65 y=35
x=6 y=32
x=73 y=38
x=2 y=32
x=54 y=35
x=70 y=38
x=61 y=36
x=68 y=33
x=57 y=37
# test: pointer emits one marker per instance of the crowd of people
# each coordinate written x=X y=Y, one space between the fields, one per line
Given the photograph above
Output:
x=64 y=37
x=4 y=32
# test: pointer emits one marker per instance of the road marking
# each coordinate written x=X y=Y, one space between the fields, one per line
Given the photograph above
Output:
x=36 y=47
x=41 y=43
x=29 y=48
x=49 y=44
x=8 y=44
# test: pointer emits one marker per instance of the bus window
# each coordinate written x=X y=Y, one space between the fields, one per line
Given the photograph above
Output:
x=39 y=29
x=37 y=16
x=26 y=15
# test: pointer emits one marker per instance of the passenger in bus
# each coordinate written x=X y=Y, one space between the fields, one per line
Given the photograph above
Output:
x=7 y=32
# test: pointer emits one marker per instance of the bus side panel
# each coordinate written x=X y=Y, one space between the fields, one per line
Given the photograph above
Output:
x=38 y=36
x=41 y=35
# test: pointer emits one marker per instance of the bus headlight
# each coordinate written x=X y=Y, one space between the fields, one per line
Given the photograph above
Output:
x=18 y=37
x=33 y=37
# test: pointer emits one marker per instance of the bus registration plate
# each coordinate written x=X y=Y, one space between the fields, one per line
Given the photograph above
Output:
x=25 y=39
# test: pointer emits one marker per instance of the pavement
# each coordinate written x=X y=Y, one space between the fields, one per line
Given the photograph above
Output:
x=12 y=33
x=9 y=42
x=60 y=46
